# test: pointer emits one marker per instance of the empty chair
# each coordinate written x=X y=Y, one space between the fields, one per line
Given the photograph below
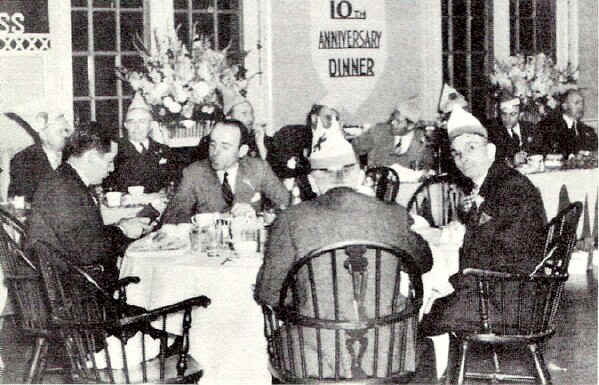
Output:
x=520 y=309
x=437 y=200
x=385 y=183
x=347 y=312
x=106 y=339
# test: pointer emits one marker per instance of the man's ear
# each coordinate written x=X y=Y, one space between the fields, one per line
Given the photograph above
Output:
x=243 y=150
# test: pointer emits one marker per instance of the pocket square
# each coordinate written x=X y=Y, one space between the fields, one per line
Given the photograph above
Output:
x=162 y=161
x=257 y=197
x=484 y=218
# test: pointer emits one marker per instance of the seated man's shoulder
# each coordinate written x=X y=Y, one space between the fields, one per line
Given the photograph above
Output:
x=197 y=167
x=29 y=152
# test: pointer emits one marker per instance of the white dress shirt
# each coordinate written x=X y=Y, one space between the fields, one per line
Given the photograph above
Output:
x=406 y=141
x=516 y=130
x=140 y=146
x=55 y=158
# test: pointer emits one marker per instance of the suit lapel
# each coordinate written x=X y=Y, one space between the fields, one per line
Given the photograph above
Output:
x=245 y=185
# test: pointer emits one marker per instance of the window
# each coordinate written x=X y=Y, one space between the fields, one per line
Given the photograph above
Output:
x=103 y=35
x=467 y=50
x=219 y=20
x=532 y=27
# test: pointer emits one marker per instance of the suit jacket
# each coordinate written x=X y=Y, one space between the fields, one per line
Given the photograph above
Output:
x=379 y=144
x=506 y=233
x=559 y=139
x=27 y=169
x=154 y=168
x=339 y=215
x=200 y=189
x=530 y=141
x=65 y=215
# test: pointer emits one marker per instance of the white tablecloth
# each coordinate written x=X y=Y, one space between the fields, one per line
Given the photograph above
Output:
x=227 y=338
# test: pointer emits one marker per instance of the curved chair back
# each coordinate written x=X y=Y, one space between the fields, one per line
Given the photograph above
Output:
x=385 y=183
x=437 y=200
x=347 y=312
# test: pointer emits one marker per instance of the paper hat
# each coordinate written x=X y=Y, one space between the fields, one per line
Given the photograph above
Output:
x=509 y=103
x=451 y=98
x=333 y=153
x=231 y=98
x=462 y=122
x=139 y=103
x=410 y=108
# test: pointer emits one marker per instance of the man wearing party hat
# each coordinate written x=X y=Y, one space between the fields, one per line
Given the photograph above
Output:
x=339 y=213
x=514 y=138
x=399 y=141
x=451 y=98
x=504 y=221
x=141 y=161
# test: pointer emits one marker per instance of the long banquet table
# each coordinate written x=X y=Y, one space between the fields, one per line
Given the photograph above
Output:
x=580 y=183
x=227 y=338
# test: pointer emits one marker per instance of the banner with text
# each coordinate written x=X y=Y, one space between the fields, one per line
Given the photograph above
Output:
x=348 y=49
x=24 y=16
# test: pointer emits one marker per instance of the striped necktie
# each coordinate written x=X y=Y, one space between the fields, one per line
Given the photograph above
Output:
x=227 y=191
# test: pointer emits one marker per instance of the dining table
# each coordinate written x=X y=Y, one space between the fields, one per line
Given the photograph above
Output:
x=227 y=338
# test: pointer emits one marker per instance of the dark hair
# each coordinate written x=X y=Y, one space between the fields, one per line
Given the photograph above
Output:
x=314 y=110
x=243 y=131
x=88 y=136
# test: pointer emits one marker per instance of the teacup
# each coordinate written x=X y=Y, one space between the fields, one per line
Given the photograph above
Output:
x=202 y=220
x=113 y=198
x=535 y=161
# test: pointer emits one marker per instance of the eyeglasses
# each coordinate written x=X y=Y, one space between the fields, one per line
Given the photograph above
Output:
x=468 y=149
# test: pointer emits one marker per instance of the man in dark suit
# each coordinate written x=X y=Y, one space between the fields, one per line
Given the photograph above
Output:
x=504 y=223
x=339 y=213
x=226 y=178
x=398 y=141
x=29 y=166
x=564 y=133
x=141 y=161
x=514 y=139
x=66 y=215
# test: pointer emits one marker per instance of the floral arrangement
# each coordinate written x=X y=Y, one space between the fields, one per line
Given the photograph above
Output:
x=536 y=80
x=179 y=85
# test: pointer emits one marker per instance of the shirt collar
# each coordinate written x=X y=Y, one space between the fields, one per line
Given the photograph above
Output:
x=83 y=178
x=231 y=173
x=569 y=120
x=55 y=158
x=516 y=130
x=138 y=145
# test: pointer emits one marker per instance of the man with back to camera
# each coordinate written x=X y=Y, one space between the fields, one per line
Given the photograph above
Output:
x=227 y=177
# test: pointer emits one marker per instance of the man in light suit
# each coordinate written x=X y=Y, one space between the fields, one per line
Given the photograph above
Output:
x=565 y=133
x=227 y=177
x=339 y=213
x=398 y=141
x=31 y=165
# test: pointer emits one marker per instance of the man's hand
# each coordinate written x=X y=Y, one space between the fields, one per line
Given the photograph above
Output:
x=135 y=227
x=520 y=157
x=243 y=210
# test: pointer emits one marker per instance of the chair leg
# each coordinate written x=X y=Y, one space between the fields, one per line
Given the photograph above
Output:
x=462 y=371
x=543 y=376
x=43 y=364
x=31 y=374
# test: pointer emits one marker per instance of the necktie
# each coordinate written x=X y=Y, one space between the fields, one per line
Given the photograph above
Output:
x=516 y=139
x=143 y=148
x=398 y=145
x=227 y=192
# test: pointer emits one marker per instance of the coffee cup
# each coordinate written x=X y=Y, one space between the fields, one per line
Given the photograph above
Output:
x=113 y=198
x=535 y=161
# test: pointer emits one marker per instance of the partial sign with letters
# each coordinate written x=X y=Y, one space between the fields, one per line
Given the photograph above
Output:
x=23 y=16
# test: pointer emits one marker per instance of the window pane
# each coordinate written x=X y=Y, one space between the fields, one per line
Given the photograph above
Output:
x=514 y=33
x=459 y=70
x=228 y=33
x=105 y=76
x=459 y=33
x=446 y=77
x=80 y=80
x=79 y=3
x=478 y=8
x=79 y=30
x=527 y=36
x=82 y=112
x=180 y=4
x=107 y=112
x=131 y=26
x=228 y=4
x=202 y=4
x=182 y=27
x=104 y=3
x=444 y=7
x=104 y=31
x=478 y=32
x=459 y=7
x=131 y=3
x=479 y=102
x=205 y=25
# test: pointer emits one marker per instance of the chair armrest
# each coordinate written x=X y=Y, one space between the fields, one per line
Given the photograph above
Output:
x=481 y=273
x=151 y=315
x=123 y=282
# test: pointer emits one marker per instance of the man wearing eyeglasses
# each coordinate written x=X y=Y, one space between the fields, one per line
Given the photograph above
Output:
x=504 y=221
x=141 y=161
x=514 y=138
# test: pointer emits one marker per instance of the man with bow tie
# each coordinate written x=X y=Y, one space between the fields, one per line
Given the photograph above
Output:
x=504 y=221
x=141 y=161
x=399 y=141
x=564 y=133
x=514 y=138
x=226 y=178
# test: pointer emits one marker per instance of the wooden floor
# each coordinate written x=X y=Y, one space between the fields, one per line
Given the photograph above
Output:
x=571 y=354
